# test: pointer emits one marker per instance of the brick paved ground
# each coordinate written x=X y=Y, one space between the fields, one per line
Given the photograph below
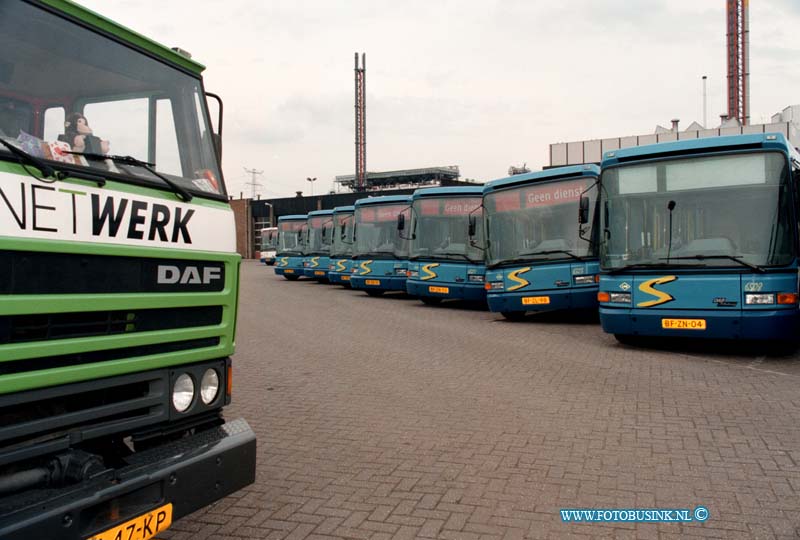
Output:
x=384 y=418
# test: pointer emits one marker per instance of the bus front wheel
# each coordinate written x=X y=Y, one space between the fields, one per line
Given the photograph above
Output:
x=374 y=292
x=292 y=278
x=513 y=315
x=430 y=300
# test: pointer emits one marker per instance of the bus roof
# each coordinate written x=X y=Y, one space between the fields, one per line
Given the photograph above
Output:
x=385 y=199
x=344 y=209
x=476 y=191
x=320 y=213
x=104 y=24
x=293 y=217
x=570 y=171
x=732 y=143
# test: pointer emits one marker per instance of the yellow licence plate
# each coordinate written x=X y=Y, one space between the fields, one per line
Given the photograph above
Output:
x=440 y=290
x=143 y=527
x=683 y=324
x=288 y=271
x=373 y=282
x=535 y=300
x=345 y=278
x=319 y=272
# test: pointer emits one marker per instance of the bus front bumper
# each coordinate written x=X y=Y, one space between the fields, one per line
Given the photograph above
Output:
x=779 y=324
x=339 y=278
x=457 y=291
x=384 y=283
x=547 y=300
x=287 y=270
x=188 y=474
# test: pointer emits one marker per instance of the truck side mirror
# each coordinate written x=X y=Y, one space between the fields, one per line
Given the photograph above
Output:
x=401 y=222
x=583 y=210
x=473 y=225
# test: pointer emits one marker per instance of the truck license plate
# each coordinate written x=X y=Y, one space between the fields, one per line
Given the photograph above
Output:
x=373 y=282
x=440 y=290
x=535 y=300
x=683 y=324
x=142 y=527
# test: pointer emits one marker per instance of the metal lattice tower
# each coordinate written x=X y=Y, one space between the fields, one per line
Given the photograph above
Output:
x=361 y=124
x=738 y=61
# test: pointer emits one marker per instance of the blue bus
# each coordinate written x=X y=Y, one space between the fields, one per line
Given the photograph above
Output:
x=700 y=239
x=445 y=261
x=380 y=253
x=318 y=244
x=291 y=232
x=541 y=240
x=341 y=262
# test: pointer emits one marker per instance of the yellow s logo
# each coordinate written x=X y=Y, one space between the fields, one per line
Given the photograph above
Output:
x=284 y=261
x=520 y=282
x=340 y=265
x=661 y=297
x=314 y=262
x=365 y=269
x=429 y=274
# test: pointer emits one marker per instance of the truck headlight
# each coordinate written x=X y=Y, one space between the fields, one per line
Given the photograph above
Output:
x=475 y=278
x=182 y=392
x=585 y=280
x=759 y=299
x=209 y=386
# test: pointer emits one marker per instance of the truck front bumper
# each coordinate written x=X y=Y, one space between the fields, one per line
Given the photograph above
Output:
x=188 y=473
x=557 y=299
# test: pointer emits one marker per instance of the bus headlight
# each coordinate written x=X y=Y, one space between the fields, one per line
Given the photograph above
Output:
x=475 y=278
x=401 y=272
x=759 y=299
x=585 y=280
x=619 y=297
x=182 y=392
x=494 y=286
x=412 y=273
x=209 y=386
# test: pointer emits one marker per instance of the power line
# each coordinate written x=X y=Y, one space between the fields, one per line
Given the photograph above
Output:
x=252 y=183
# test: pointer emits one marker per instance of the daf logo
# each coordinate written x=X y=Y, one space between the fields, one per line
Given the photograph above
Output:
x=625 y=286
x=191 y=275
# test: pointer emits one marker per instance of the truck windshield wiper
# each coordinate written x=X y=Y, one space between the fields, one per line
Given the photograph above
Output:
x=128 y=160
x=551 y=251
x=734 y=258
x=651 y=265
x=26 y=158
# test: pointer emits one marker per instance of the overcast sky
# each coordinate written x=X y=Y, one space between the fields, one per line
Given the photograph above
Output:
x=478 y=84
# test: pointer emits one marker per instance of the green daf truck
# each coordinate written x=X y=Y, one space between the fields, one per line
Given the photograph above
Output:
x=118 y=283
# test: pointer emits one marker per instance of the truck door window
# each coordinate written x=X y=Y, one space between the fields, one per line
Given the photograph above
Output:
x=122 y=123
x=168 y=157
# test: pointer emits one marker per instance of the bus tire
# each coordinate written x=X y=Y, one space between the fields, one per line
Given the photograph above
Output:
x=627 y=339
x=513 y=315
x=374 y=292
x=292 y=278
x=430 y=301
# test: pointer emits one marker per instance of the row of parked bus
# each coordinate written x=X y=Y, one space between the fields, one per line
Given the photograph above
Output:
x=692 y=238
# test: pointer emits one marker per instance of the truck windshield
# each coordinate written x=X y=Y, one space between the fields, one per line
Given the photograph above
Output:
x=539 y=222
x=376 y=232
x=724 y=210
x=289 y=241
x=65 y=89
x=440 y=229
x=319 y=235
x=342 y=245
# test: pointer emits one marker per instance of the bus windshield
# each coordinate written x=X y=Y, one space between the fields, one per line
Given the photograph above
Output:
x=440 y=229
x=65 y=89
x=319 y=235
x=376 y=232
x=289 y=237
x=539 y=222
x=342 y=245
x=269 y=239
x=729 y=211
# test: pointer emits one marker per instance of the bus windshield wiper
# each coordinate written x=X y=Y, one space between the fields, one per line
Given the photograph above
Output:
x=551 y=251
x=447 y=254
x=184 y=195
x=389 y=253
x=26 y=158
x=734 y=258
x=636 y=266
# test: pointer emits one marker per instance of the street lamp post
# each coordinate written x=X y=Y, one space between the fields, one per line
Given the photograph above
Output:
x=312 y=180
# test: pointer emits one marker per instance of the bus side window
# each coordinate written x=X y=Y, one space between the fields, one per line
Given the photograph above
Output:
x=53 y=123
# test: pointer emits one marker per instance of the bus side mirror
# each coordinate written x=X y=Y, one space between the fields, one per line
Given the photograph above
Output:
x=401 y=222
x=473 y=225
x=583 y=210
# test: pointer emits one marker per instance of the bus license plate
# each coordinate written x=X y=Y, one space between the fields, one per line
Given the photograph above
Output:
x=683 y=324
x=345 y=278
x=319 y=272
x=143 y=527
x=373 y=282
x=535 y=300
x=440 y=290
x=288 y=271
